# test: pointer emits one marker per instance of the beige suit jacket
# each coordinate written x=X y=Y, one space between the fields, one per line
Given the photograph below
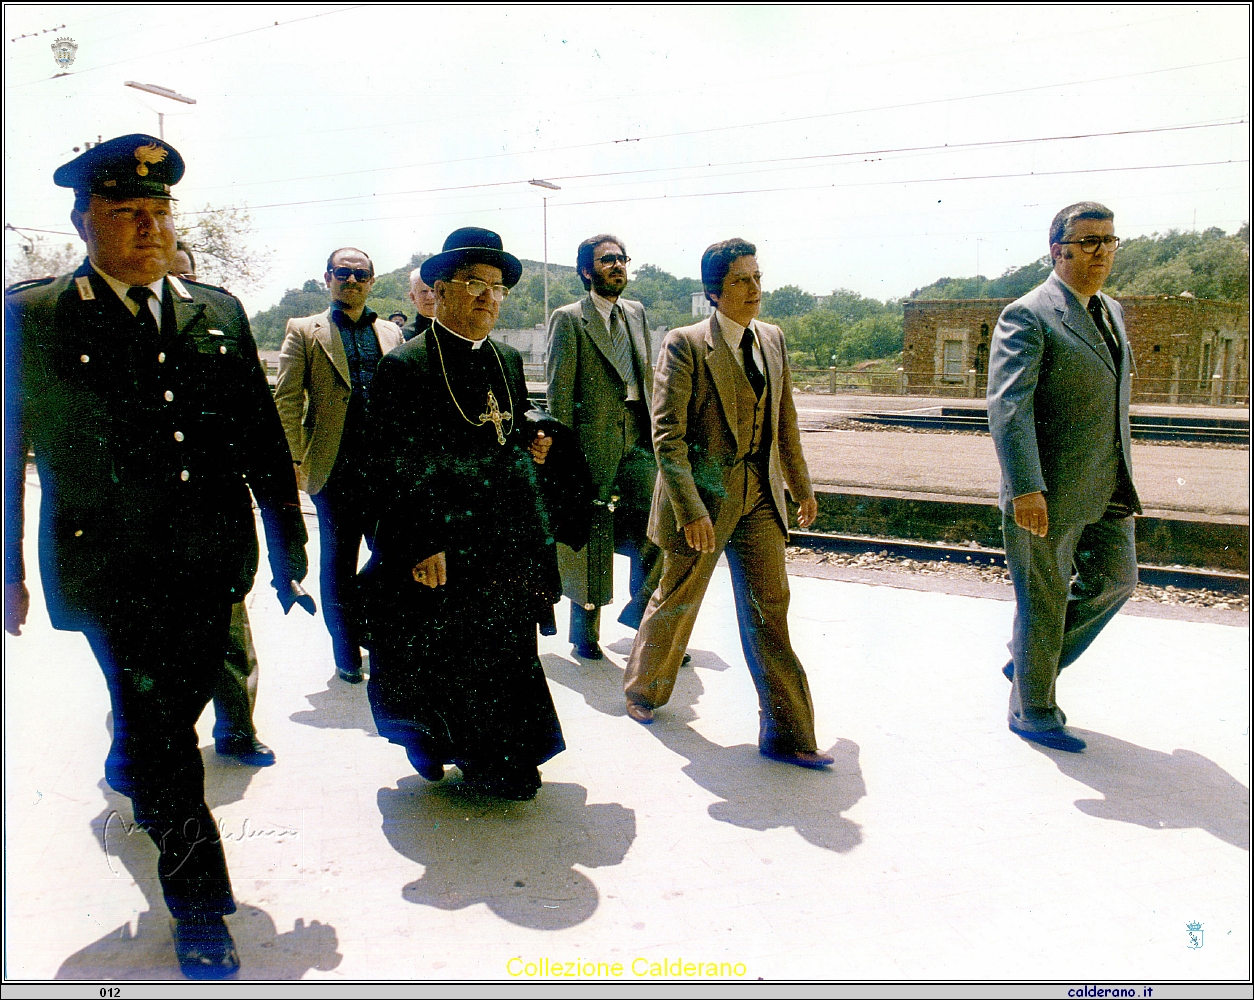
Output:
x=313 y=390
x=695 y=428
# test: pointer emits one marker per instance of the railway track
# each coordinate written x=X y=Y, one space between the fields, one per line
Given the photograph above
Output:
x=1156 y=576
x=1145 y=427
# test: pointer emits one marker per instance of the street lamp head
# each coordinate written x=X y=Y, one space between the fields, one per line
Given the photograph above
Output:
x=545 y=184
x=152 y=88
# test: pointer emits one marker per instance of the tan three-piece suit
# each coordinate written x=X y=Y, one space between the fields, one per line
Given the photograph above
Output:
x=723 y=452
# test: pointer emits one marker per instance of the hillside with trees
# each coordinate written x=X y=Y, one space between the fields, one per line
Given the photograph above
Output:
x=1210 y=264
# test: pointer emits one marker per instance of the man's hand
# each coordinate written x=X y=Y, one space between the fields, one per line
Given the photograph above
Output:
x=700 y=534
x=539 y=447
x=1032 y=514
x=16 y=605
x=432 y=572
x=807 y=511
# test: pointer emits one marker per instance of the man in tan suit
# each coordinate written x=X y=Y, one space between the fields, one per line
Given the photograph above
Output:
x=725 y=433
x=325 y=370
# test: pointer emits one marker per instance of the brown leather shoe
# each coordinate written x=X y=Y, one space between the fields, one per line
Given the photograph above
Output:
x=801 y=758
x=643 y=714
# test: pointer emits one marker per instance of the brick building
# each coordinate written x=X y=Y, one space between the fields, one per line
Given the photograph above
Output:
x=1187 y=350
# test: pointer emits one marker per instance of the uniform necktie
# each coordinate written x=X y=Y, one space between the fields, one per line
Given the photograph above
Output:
x=620 y=345
x=752 y=371
x=1099 y=320
x=139 y=294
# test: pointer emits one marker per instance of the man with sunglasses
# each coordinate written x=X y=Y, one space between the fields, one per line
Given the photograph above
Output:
x=1059 y=383
x=600 y=384
x=326 y=368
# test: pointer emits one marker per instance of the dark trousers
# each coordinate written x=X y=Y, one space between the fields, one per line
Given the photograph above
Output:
x=1068 y=585
x=341 y=528
x=161 y=660
x=630 y=539
x=235 y=693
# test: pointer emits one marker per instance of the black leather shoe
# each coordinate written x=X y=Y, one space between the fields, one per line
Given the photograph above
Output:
x=204 y=948
x=1054 y=739
x=246 y=749
x=686 y=660
x=801 y=758
x=588 y=651
x=519 y=785
x=424 y=765
x=350 y=676
x=1008 y=671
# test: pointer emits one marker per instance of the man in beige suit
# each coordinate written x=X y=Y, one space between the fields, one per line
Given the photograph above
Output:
x=725 y=433
x=325 y=371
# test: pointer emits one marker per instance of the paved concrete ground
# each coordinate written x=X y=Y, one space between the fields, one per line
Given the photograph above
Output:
x=1169 y=478
x=939 y=846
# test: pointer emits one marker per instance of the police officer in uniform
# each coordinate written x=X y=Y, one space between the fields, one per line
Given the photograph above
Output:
x=150 y=419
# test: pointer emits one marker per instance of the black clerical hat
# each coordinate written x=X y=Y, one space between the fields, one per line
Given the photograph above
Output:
x=472 y=245
x=130 y=166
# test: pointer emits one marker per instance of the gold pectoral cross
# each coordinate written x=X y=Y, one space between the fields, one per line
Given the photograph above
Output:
x=495 y=417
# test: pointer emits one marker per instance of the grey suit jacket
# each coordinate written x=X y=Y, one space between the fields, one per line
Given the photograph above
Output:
x=585 y=391
x=695 y=428
x=313 y=390
x=1057 y=407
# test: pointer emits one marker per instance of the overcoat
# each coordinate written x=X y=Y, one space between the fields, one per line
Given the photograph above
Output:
x=587 y=393
x=146 y=452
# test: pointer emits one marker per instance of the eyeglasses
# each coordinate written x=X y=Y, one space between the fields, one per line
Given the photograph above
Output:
x=475 y=288
x=606 y=260
x=344 y=273
x=1090 y=243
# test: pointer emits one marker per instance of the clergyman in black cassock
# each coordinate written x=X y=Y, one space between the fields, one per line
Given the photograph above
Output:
x=464 y=564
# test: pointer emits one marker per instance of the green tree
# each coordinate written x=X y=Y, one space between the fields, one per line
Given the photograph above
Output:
x=221 y=239
x=268 y=326
x=41 y=258
x=787 y=301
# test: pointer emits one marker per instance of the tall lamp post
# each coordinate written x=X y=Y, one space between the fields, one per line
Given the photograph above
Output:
x=552 y=187
x=152 y=88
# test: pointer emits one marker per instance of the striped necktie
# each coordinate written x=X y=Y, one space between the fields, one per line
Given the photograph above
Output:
x=620 y=345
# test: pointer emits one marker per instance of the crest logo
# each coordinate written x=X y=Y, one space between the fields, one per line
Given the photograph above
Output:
x=1195 y=934
x=63 y=51
x=152 y=153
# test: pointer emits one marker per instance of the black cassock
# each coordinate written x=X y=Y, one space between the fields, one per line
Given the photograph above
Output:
x=454 y=671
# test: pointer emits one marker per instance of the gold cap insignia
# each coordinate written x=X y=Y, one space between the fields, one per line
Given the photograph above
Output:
x=152 y=153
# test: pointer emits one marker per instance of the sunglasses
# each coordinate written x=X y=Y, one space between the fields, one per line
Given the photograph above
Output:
x=609 y=259
x=344 y=273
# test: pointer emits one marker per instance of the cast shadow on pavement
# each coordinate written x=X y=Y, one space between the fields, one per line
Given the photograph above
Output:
x=517 y=858
x=144 y=948
x=339 y=706
x=756 y=793
x=1163 y=791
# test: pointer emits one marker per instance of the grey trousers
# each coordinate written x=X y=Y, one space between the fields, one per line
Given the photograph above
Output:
x=1068 y=585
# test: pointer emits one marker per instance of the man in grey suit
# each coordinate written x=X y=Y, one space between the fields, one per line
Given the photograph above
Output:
x=727 y=441
x=1059 y=383
x=600 y=376
x=325 y=370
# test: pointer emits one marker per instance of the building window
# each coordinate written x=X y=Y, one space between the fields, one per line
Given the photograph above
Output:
x=955 y=360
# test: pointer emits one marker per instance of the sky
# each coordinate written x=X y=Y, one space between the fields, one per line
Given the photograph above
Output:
x=870 y=148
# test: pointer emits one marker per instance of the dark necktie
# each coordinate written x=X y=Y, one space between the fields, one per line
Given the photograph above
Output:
x=139 y=294
x=752 y=371
x=1099 y=320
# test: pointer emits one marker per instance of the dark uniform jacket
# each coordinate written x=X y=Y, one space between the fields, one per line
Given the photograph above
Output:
x=146 y=451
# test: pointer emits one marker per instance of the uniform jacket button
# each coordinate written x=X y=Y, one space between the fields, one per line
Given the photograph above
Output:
x=178 y=435
x=185 y=475
x=169 y=396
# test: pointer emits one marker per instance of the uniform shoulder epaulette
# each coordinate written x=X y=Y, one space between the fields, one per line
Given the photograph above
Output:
x=205 y=284
x=21 y=286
